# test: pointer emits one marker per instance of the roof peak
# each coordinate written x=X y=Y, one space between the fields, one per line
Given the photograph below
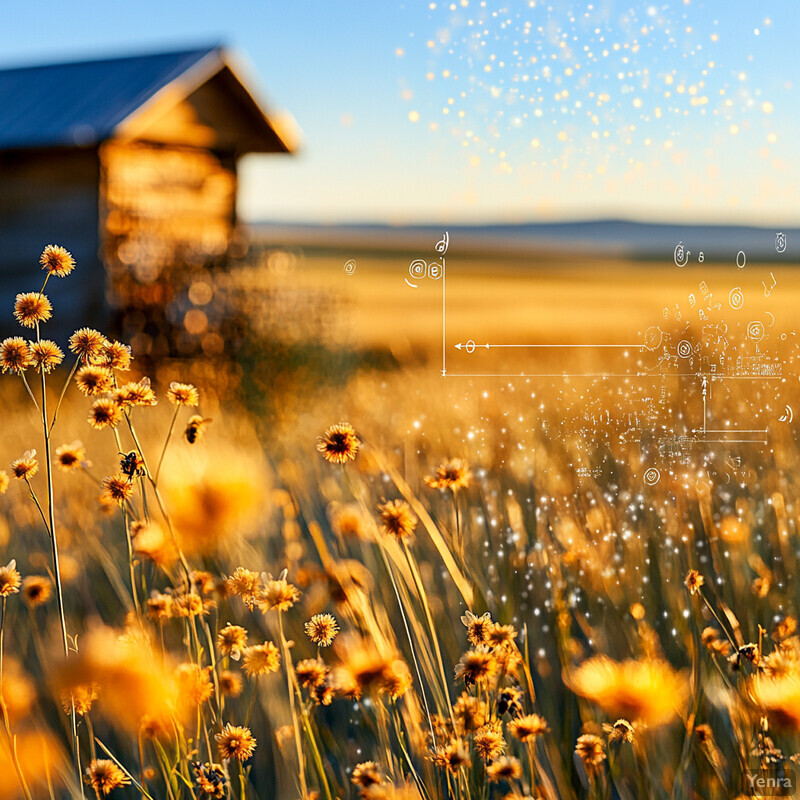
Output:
x=84 y=103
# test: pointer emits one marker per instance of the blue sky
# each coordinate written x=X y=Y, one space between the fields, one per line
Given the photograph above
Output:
x=488 y=111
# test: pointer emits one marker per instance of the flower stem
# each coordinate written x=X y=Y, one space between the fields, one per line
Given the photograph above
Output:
x=57 y=575
x=28 y=389
x=242 y=782
x=64 y=391
x=184 y=563
x=166 y=444
x=131 y=567
x=295 y=724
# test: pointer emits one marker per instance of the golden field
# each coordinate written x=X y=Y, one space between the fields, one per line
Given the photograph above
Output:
x=516 y=611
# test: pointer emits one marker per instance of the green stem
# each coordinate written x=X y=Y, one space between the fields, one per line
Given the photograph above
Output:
x=242 y=782
x=316 y=753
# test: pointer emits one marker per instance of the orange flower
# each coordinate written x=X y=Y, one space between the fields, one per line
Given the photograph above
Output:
x=116 y=355
x=104 y=776
x=87 y=344
x=15 y=354
x=25 y=467
x=278 y=594
x=694 y=580
x=646 y=690
x=452 y=475
x=590 y=750
x=235 y=742
x=504 y=769
x=339 y=444
x=232 y=640
x=398 y=519
x=71 y=456
x=104 y=413
x=57 y=261
x=116 y=488
x=322 y=629
x=10 y=579
x=261 y=659
x=36 y=590
x=93 y=380
x=45 y=355
x=183 y=394
x=31 y=308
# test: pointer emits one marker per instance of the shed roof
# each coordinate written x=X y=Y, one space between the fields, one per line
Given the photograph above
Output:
x=83 y=103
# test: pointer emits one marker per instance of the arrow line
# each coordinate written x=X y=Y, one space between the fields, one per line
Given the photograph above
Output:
x=738 y=441
x=705 y=417
x=731 y=430
x=489 y=346
x=548 y=375
x=652 y=375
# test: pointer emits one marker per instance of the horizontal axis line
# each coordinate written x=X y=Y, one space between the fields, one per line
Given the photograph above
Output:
x=606 y=375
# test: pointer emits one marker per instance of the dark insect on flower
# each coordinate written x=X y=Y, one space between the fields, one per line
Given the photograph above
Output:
x=749 y=652
x=510 y=701
x=195 y=428
x=323 y=693
x=211 y=780
x=132 y=465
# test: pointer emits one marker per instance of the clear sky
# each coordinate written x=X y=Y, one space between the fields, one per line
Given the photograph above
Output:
x=470 y=110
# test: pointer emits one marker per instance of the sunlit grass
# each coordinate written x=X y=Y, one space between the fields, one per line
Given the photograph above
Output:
x=401 y=587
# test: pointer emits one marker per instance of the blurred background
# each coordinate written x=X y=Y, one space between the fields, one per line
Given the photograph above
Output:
x=216 y=171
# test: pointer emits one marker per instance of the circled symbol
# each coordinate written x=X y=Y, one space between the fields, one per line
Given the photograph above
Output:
x=755 y=330
x=736 y=298
x=418 y=268
x=680 y=256
x=652 y=476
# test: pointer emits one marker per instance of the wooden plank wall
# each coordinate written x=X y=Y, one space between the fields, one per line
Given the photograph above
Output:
x=50 y=197
x=166 y=211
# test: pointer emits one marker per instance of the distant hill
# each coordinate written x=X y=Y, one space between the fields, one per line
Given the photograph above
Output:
x=601 y=238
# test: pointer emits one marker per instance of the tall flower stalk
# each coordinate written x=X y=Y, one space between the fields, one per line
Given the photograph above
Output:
x=32 y=310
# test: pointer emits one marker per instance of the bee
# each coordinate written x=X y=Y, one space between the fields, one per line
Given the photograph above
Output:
x=210 y=779
x=132 y=465
x=510 y=701
x=195 y=428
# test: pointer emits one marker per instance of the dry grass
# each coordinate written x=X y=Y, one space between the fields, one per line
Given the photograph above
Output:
x=527 y=626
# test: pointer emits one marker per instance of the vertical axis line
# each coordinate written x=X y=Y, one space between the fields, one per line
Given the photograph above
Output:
x=444 y=344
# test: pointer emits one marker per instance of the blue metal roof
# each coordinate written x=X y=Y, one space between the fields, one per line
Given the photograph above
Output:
x=81 y=103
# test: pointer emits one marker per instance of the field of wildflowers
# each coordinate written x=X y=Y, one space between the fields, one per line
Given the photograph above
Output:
x=374 y=595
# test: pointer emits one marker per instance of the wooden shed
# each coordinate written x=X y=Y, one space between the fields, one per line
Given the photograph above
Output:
x=130 y=163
